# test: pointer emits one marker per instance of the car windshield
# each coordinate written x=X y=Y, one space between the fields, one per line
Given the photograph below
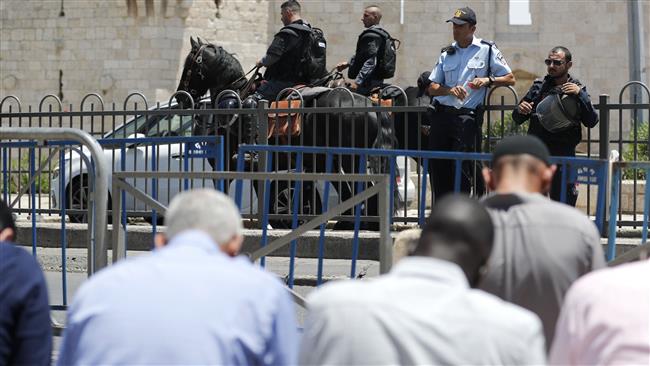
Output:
x=155 y=126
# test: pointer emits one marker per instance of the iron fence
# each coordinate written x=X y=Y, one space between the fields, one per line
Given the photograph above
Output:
x=620 y=128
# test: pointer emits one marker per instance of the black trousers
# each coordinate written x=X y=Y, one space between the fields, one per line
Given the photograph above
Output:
x=556 y=184
x=451 y=131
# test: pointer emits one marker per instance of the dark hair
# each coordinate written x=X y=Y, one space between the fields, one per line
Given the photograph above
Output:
x=567 y=53
x=291 y=5
x=6 y=218
x=464 y=228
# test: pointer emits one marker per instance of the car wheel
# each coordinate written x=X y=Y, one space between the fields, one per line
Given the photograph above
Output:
x=282 y=203
x=77 y=198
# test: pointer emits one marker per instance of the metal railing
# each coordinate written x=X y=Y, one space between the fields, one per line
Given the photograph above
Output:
x=380 y=189
x=591 y=172
x=240 y=125
x=98 y=171
x=617 y=170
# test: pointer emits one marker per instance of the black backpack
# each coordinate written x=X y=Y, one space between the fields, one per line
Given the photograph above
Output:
x=387 y=56
x=314 y=56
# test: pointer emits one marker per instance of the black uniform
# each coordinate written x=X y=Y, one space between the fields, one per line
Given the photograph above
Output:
x=562 y=143
x=282 y=60
x=364 y=64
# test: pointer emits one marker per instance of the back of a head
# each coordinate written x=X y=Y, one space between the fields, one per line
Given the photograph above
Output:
x=292 y=6
x=523 y=159
x=459 y=230
x=6 y=217
x=206 y=210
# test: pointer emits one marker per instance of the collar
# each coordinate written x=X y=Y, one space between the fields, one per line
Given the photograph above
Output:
x=475 y=42
x=195 y=239
x=523 y=196
x=432 y=269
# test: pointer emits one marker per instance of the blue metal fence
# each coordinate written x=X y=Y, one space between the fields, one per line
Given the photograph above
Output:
x=578 y=170
x=203 y=147
x=617 y=170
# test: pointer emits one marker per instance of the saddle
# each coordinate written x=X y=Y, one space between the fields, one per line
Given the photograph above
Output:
x=290 y=124
x=285 y=124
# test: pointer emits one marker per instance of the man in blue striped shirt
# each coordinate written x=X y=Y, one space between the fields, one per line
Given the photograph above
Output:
x=189 y=302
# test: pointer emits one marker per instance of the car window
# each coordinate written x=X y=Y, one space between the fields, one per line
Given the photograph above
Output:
x=133 y=126
x=174 y=125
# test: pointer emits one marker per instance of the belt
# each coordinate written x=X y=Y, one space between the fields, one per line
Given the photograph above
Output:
x=453 y=110
x=456 y=111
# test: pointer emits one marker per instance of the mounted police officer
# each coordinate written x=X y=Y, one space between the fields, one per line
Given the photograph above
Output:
x=283 y=59
x=556 y=105
x=459 y=83
x=365 y=67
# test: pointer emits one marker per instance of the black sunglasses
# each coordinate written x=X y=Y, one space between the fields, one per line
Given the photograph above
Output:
x=548 y=62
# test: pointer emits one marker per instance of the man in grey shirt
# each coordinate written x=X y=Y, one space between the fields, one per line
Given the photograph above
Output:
x=540 y=247
x=426 y=310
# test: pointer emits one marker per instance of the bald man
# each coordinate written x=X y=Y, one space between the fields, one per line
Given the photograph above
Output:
x=364 y=64
x=425 y=311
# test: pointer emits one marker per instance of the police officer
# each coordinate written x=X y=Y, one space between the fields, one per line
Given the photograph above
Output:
x=282 y=59
x=459 y=83
x=560 y=141
x=364 y=64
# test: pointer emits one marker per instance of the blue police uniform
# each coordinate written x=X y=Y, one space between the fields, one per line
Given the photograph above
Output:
x=455 y=123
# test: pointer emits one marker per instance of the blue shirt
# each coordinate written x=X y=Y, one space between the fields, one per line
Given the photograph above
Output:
x=25 y=329
x=465 y=65
x=188 y=303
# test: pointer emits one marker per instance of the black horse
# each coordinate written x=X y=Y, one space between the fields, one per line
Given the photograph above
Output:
x=210 y=67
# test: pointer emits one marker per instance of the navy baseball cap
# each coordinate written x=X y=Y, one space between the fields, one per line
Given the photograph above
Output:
x=519 y=145
x=463 y=16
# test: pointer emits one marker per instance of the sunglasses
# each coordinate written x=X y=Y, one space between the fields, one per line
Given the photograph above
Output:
x=548 y=62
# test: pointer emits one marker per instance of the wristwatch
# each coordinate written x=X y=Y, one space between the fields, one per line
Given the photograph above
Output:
x=492 y=80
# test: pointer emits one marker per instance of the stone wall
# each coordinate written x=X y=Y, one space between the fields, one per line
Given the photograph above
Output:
x=118 y=46
x=115 y=47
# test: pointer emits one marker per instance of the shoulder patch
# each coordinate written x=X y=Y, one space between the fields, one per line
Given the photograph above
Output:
x=449 y=49
x=490 y=43
x=501 y=59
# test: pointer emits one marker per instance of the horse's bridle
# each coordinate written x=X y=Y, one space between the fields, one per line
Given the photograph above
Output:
x=196 y=60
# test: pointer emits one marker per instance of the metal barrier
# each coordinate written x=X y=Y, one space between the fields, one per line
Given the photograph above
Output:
x=97 y=249
x=580 y=170
x=380 y=189
x=617 y=170
x=241 y=125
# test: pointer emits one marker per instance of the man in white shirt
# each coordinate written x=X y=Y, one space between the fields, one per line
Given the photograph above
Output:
x=425 y=310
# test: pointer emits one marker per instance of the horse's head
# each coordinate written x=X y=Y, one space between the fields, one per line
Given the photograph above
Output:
x=208 y=67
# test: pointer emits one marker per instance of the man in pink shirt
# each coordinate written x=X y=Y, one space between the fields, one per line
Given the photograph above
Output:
x=605 y=319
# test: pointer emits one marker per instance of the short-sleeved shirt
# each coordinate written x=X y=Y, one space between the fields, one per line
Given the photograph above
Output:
x=540 y=248
x=463 y=66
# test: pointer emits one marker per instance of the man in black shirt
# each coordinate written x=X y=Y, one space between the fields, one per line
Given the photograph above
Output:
x=560 y=141
x=282 y=59
x=364 y=64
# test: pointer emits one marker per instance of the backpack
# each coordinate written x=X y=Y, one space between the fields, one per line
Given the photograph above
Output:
x=314 y=57
x=387 y=56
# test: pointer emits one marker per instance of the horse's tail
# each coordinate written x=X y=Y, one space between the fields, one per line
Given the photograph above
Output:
x=385 y=140
x=385 y=132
